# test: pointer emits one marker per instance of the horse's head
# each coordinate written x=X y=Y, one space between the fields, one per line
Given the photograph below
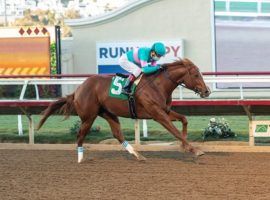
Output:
x=187 y=74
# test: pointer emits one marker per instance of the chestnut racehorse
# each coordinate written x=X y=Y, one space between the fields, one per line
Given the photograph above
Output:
x=153 y=98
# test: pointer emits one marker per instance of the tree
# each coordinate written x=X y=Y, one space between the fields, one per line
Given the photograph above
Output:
x=47 y=18
x=72 y=14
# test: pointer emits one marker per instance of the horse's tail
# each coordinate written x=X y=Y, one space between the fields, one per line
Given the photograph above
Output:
x=63 y=105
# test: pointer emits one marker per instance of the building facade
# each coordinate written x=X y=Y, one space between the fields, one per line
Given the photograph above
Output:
x=189 y=21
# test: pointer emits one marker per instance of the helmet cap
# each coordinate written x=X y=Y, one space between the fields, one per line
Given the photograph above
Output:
x=159 y=48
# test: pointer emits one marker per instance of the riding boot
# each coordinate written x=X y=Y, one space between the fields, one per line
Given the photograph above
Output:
x=128 y=84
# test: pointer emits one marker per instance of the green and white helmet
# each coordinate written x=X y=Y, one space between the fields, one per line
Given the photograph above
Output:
x=159 y=48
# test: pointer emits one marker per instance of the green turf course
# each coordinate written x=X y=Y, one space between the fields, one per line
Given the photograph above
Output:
x=56 y=130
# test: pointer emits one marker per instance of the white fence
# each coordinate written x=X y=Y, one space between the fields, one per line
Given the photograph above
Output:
x=35 y=82
x=238 y=91
x=180 y=93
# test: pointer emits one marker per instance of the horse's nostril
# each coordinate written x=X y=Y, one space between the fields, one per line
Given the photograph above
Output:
x=207 y=92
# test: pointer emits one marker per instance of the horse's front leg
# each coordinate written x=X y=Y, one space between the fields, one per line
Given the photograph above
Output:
x=164 y=119
x=174 y=116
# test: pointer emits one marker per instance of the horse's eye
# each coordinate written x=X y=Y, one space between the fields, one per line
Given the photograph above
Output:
x=197 y=76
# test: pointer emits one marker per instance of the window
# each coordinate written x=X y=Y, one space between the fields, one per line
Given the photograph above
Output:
x=242 y=30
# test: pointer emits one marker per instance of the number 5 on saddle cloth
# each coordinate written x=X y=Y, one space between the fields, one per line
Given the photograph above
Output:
x=115 y=91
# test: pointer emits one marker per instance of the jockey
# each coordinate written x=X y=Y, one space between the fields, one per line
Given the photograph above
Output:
x=141 y=60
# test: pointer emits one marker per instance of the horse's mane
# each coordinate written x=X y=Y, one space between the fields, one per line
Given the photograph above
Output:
x=184 y=62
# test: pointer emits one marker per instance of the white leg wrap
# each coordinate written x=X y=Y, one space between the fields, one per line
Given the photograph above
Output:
x=80 y=154
x=128 y=147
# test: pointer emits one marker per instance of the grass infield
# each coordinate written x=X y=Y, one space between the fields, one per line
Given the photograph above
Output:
x=56 y=130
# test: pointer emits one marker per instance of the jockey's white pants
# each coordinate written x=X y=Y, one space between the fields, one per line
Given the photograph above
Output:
x=129 y=66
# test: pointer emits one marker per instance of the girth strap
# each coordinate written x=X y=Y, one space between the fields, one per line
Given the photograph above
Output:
x=132 y=107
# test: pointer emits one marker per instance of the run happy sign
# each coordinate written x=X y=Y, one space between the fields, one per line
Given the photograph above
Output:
x=108 y=54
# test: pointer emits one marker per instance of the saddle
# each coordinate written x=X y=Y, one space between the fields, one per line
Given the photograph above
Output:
x=115 y=91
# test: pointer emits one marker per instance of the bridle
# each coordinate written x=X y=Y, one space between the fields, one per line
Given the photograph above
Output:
x=177 y=83
x=164 y=70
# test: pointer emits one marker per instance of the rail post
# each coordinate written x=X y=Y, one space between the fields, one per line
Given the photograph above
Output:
x=31 y=130
x=241 y=91
x=137 y=132
x=20 y=128
x=37 y=92
x=250 y=125
x=180 y=92
x=251 y=131
x=145 y=131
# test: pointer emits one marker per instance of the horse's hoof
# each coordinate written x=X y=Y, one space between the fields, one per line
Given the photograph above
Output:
x=141 y=158
x=81 y=160
x=199 y=153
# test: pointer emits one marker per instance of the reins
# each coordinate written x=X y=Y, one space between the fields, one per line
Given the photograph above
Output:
x=164 y=70
x=166 y=74
x=153 y=77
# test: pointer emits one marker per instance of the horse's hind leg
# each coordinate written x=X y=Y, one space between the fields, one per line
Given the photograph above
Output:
x=116 y=130
x=84 y=129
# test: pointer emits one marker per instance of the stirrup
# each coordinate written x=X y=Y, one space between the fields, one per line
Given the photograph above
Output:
x=126 y=91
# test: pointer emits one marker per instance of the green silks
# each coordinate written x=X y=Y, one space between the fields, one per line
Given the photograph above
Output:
x=150 y=69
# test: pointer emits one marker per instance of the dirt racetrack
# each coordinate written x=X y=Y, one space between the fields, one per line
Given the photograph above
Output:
x=54 y=174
